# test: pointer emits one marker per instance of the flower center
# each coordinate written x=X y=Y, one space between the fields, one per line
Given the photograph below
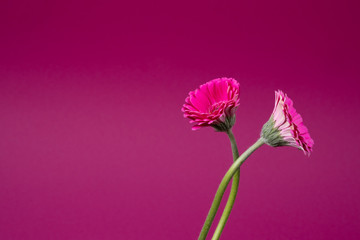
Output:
x=216 y=107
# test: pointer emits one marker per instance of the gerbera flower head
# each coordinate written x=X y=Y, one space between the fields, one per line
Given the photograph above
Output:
x=213 y=104
x=285 y=126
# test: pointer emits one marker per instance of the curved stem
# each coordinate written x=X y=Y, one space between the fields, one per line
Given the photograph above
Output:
x=222 y=187
x=233 y=192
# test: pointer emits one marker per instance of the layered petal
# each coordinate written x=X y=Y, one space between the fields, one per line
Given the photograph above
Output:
x=287 y=126
x=213 y=104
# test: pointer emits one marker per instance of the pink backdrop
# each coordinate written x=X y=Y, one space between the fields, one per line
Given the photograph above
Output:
x=94 y=146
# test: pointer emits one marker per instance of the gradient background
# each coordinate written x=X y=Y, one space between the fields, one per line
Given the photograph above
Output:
x=94 y=145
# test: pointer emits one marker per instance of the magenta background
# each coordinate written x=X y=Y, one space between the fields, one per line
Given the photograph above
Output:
x=94 y=146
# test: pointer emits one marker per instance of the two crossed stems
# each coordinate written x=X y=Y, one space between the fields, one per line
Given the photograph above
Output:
x=233 y=172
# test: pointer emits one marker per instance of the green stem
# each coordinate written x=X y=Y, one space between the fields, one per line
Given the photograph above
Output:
x=234 y=189
x=222 y=187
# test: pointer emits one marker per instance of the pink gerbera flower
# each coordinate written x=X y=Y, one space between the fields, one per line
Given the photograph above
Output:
x=285 y=126
x=213 y=104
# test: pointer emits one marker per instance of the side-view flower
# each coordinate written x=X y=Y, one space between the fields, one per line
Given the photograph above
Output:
x=285 y=126
x=213 y=104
